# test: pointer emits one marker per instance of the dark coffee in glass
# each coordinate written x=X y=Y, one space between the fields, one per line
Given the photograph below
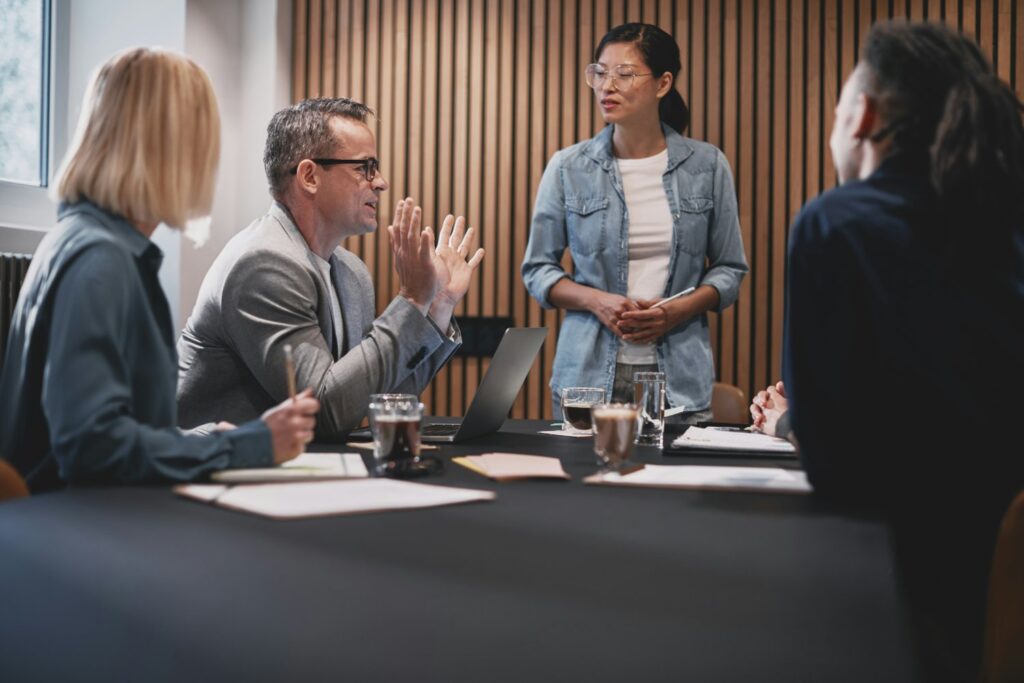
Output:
x=399 y=439
x=578 y=416
x=395 y=425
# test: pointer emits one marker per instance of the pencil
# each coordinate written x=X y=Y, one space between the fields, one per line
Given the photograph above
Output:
x=289 y=367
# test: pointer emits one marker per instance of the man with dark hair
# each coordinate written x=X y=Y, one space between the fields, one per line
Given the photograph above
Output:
x=906 y=295
x=285 y=280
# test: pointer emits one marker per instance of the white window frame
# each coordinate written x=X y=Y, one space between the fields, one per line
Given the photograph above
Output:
x=26 y=211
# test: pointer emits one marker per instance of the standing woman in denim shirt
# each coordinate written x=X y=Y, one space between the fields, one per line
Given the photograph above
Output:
x=646 y=213
x=89 y=376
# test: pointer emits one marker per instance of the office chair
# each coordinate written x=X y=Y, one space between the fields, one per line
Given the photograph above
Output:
x=11 y=483
x=1003 y=657
x=729 y=404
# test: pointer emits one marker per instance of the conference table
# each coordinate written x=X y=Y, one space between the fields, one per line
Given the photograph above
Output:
x=553 y=580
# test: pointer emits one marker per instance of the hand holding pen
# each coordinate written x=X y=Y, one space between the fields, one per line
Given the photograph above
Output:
x=652 y=320
x=291 y=422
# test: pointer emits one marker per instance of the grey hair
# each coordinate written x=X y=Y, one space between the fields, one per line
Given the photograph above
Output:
x=303 y=131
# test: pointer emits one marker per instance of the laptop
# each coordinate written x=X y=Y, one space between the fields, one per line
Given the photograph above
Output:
x=497 y=392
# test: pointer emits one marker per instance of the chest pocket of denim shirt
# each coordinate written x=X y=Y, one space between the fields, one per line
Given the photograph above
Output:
x=692 y=227
x=586 y=219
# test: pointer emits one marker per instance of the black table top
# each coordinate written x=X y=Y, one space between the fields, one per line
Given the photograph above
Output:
x=551 y=581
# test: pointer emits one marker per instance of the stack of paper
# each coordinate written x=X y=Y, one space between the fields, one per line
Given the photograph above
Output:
x=731 y=439
x=757 y=479
x=505 y=466
x=305 y=467
x=320 y=498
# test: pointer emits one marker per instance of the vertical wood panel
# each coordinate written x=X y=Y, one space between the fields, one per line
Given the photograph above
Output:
x=343 y=47
x=315 y=54
x=521 y=176
x=757 y=248
x=442 y=197
x=330 y=25
x=779 y=179
x=727 y=46
x=1004 y=38
x=1018 y=62
x=386 y=133
x=501 y=255
x=474 y=96
x=747 y=103
x=473 y=206
x=299 y=67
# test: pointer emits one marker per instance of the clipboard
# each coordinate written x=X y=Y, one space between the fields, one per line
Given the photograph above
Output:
x=673 y=431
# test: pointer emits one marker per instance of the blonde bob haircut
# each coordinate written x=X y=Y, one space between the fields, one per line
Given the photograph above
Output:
x=148 y=140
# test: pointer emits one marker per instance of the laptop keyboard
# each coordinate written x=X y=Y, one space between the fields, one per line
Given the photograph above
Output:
x=440 y=429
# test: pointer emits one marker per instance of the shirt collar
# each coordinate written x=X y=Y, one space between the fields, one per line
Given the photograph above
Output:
x=901 y=163
x=599 y=148
x=140 y=246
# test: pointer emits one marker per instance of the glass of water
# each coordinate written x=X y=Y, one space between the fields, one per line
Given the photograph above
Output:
x=649 y=396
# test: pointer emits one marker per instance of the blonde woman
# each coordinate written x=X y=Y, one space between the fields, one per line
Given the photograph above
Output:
x=89 y=375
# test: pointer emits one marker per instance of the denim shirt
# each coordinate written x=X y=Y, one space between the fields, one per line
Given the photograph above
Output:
x=581 y=205
x=88 y=382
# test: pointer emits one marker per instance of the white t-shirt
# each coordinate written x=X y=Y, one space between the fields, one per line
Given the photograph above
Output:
x=650 y=239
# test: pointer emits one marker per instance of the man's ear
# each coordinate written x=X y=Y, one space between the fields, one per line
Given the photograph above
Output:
x=305 y=174
x=866 y=116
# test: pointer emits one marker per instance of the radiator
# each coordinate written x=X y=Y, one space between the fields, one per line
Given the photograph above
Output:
x=12 y=273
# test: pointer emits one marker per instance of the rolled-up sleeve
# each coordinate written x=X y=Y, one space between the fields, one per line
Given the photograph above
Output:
x=727 y=262
x=542 y=263
x=94 y=377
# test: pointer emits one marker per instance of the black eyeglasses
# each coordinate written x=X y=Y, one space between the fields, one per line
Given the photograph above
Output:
x=370 y=166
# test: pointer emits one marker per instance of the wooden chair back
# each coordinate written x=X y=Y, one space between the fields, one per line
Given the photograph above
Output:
x=1003 y=654
x=729 y=404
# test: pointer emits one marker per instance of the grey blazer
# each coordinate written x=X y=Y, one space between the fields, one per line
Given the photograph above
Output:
x=263 y=291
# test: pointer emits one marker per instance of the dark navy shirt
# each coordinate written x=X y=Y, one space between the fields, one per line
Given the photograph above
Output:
x=904 y=361
x=89 y=377
x=889 y=334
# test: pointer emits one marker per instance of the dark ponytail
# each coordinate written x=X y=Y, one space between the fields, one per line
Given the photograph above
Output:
x=944 y=104
x=661 y=54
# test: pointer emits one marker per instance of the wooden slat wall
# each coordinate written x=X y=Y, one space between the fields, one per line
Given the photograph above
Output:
x=474 y=96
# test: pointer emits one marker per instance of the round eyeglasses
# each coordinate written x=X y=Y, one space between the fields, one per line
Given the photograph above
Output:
x=623 y=77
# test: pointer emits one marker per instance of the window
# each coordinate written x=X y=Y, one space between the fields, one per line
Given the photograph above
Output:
x=24 y=91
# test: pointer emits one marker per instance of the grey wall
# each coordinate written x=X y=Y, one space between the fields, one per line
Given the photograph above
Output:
x=243 y=44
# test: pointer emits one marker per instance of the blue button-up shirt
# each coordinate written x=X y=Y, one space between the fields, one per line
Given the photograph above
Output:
x=89 y=375
x=581 y=206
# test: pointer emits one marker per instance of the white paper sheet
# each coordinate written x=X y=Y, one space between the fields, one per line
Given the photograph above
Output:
x=766 y=479
x=561 y=432
x=731 y=440
x=305 y=467
x=321 y=498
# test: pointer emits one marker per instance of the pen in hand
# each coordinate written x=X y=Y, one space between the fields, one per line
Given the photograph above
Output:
x=289 y=366
x=686 y=291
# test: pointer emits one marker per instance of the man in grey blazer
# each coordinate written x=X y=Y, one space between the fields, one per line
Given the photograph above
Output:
x=285 y=279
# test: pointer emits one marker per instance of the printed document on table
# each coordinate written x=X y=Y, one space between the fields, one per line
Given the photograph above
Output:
x=712 y=438
x=295 y=500
x=305 y=467
x=755 y=479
